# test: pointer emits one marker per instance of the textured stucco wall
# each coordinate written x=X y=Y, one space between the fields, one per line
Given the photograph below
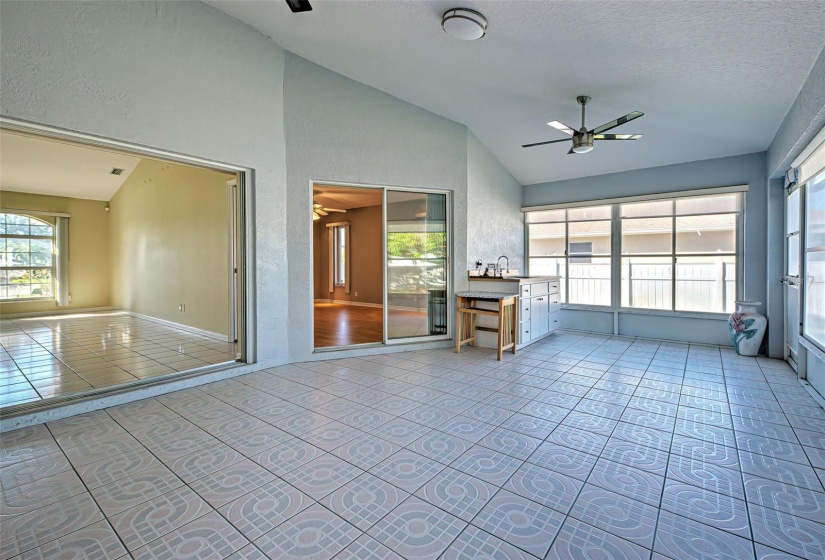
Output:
x=804 y=120
x=180 y=76
x=338 y=129
x=736 y=170
x=495 y=224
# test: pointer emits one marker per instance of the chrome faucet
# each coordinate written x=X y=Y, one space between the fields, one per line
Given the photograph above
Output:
x=498 y=268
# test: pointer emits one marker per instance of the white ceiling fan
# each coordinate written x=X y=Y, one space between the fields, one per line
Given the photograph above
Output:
x=319 y=210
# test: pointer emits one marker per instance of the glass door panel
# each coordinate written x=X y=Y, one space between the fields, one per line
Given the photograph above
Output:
x=417 y=264
x=791 y=277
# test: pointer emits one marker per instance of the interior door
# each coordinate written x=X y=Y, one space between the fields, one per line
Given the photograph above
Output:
x=792 y=275
x=417 y=264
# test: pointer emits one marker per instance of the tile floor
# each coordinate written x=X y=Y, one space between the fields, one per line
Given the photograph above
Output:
x=56 y=356
x=578 y=447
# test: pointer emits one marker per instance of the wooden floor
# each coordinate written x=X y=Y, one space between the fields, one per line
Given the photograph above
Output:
x=344 y=325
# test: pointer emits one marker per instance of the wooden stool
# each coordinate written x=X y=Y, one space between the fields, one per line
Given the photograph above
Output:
x=466 y=312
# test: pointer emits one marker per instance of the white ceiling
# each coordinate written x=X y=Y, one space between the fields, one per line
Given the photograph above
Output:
x=713 y=78
x=42 y=166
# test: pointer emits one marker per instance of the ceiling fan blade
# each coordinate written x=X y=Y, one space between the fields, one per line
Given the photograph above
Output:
x=299 y=6
x=543 y=143
x=560 y=126
x=321 y=212
x=617 y=136
x=571 y=152
x=334 y=210
x=618 y=122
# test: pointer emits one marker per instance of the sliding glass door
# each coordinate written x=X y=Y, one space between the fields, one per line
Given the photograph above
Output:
x=417 y=264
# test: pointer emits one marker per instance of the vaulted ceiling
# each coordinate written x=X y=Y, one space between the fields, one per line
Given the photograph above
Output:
x=713 y=78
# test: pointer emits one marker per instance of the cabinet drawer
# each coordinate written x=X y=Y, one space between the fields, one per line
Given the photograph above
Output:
x=525 y=290
x=555 y=320
x=539 y=289
x=555 y=286
x=524 y=310
x=525 y=332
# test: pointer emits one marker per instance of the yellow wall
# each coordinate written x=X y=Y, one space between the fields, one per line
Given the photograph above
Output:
x=170 y=245
x=89 y=258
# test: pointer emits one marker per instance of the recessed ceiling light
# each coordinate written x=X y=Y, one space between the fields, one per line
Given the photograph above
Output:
x=464 y=24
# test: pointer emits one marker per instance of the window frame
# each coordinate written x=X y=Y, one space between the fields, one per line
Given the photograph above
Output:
x=804 y=226
x=52 y=268
x=339 y=233
x=616 y=254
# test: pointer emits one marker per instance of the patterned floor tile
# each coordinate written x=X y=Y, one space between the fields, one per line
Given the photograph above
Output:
x=711 y=508
x=367 y=547
x=210 y=536
x=795 y=535
x=365 y=451
x=703 y=475
x=287 y=456
x=456 y=493
x=678 y=537
x=264 y=508
x=486 y=464
x=417 y=530
x=229 y=483
x=619 y=515
x=777 y=469
x=126 y=493
x=25 y=532
x=546 y=487
x=17 y=500
x=521 y=522
x=793 y=500
x=580 y=540
x=322 y=475
x=475 y=544
x=400 y=431
x=94 y=542
x=407 y=470
x=439 y=446
x=625 y=480
x=578 y=440
x=331 y=435
x=637 y=456
x=364 y=501
x=510 y=443
x=466 y=428
x=315 y=533
x=34 y=469
x=563 y=459
x=153 y=519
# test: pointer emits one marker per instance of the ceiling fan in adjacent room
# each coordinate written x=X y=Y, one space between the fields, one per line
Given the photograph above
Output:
x=583 y=139
x=319 y=210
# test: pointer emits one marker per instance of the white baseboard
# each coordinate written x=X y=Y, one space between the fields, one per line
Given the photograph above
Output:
x=59 y=311
x=345 y=302
x=194 y=330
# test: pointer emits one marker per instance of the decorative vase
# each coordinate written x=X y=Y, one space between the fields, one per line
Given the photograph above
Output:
x=747 y=327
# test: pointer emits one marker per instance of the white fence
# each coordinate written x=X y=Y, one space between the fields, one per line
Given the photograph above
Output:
x=709 y=286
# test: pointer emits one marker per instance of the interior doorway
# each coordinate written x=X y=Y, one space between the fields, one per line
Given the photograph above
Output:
x=117 y=267
x=380 y=265
x=791 y=278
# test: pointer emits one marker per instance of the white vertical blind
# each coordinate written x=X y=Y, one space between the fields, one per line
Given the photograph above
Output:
x=62 y=264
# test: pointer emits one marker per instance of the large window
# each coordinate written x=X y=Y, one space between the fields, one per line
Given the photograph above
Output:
x=814 y=319
x=680 y=254
x=676 y=254
x=27 y=249
x=574 y=243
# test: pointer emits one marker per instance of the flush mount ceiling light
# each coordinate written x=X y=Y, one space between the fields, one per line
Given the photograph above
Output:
x=464 y=24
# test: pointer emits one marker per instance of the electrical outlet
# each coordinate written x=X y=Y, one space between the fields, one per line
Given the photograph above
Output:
x=356 y=294
x=182 y=307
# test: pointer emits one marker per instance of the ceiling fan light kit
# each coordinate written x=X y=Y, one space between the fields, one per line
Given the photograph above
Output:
x=464 y=24
x=583 y=139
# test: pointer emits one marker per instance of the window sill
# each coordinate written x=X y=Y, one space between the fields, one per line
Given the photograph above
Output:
x=26 y=300
x=658 y=312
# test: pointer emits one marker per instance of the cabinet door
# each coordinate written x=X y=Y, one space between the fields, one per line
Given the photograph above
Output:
x=538 y=316
x=526 y=336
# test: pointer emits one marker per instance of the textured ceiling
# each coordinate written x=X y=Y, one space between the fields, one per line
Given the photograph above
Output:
x=32 y=164
x=713 y=78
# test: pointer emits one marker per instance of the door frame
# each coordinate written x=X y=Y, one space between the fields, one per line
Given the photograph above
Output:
x=386 y=342
x=785 y=279
x=244 y=225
